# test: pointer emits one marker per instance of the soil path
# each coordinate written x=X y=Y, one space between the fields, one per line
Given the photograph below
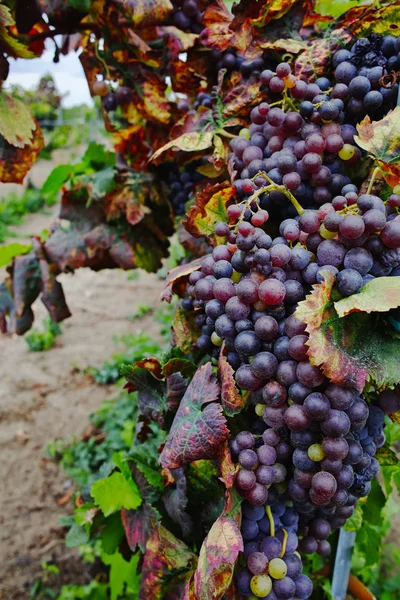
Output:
x=42 y=398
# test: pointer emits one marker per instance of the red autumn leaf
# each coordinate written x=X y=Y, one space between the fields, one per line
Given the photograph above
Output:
x=379 y=295
x=184 y=331
x=217 y=32
x=209 y=208
x=16 y=162
x=381 y=139
x=165 y=554
x=177 y=279
x=231 y=398
x=352 y=349
x=364 y=20
x=199 y=428
x=260 y=13
x=227 y=468
x=145 y=13
x=137 y=525
x=241 y=99
x=152 y=365
x=175 y=501
x=315 y=60
x=219 y=552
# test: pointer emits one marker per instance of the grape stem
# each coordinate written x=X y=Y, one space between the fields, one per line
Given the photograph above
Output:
x=278 y=188
x=372 y=180
x=285 y=537
x=271 y=521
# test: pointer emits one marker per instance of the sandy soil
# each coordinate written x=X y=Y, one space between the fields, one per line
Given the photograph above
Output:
x=42 y=398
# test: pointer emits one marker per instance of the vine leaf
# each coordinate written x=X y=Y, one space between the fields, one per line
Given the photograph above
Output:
x=352 y=349
x=137 y=525
x=177 y=278
x=184 y=330
x=227 y=468
x=315 y=61
x=188 y=142
x=381 y=139
x=167 y=561
x=13 y=47
x=116 y=491
x=379 y=295
x=10 y=251
x=231 y=398
x=16 y=122
x=363 y=20
x=175 y=501
x=386 y=457
x=15 y=162
x=219 y=552
x=209 y=209
x=145 y=13
x=199 y=427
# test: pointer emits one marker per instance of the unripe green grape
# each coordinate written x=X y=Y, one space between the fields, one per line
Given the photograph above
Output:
x=261 y=585
x=277 y=568
x=347 y=152
x=216 y=340
x=316 y=453
x=259 y=409
x=236 y=276
x=245 y=133
x=327 y=235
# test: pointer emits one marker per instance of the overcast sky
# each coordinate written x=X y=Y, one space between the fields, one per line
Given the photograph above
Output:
x=67 y=73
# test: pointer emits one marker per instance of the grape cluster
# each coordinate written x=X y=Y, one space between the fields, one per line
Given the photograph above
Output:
x=273 y=567
x=187 y=15
x=181 y=183
x=121 y=96
x=366 y=75
x=310 y=452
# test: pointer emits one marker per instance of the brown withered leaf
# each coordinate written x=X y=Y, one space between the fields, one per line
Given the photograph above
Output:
x=184 y=331
x=231 y=398
x=228 y=469
x=381 y=139
x=177 y=279
x=260 y=13
x=209 y=208
x=241 y=99
x=165 y=554
x=145 y=13
x=188 y=142
x=219 y=552
x=199 y=427
x=16 y=162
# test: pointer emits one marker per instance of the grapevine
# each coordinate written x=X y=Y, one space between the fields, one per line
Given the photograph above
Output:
x=275 y=159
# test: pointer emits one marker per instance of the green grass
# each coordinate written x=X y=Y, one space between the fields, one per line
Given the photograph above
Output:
x=14 y=207
x=39 y=340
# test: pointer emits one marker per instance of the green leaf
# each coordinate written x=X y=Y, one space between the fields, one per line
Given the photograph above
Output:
x=374 y=505
x=7 y=253
x=98 y=157
x=355 y=521
x=123 y=575
x=76 y=536
x=369 y=539
x=112 y=533
x=379 y=295
x=57 y=178
x=116 y=491
x=103 y=181
x=16 y=122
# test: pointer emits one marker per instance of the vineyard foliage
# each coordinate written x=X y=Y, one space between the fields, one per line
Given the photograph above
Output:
x=266 y=135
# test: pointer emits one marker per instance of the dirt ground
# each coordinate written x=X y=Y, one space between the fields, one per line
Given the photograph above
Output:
x=42 y=398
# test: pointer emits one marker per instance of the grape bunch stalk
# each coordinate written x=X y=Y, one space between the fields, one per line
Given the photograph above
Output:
x=309 y=454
